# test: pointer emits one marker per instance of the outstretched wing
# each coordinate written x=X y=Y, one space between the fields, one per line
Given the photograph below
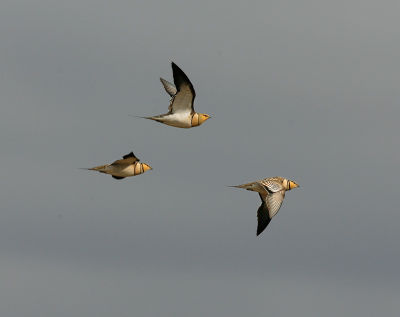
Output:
x=270 y=205
x=263 y=218
x=128 y=159
x=183 y=99
x=274 y=202
x=117 y=177
x=169 y=87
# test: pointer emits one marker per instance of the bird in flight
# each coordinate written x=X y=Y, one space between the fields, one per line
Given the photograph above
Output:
x=272 y=192
x=128 y=166
x=181 y=113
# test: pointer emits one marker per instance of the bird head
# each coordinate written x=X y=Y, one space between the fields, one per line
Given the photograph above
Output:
x=146 y=167
x=290 y=184
x=203 y=117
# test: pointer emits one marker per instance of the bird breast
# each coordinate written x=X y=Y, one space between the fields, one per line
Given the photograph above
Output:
x=195 y=120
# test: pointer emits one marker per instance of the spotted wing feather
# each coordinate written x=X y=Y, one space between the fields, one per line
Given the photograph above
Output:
x=274 y=202
x=271 y=185
x=169 y=87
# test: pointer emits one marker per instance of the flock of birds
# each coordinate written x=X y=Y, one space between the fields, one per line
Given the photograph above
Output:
x=181 y=114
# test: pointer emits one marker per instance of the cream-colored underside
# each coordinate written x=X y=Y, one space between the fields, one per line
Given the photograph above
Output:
x=179 y=120
x=123 y=172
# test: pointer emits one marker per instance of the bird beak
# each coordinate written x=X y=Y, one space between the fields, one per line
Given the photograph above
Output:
x=292 y=185
x=146 y=167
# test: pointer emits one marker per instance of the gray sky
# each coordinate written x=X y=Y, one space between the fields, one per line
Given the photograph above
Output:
x=307 y=90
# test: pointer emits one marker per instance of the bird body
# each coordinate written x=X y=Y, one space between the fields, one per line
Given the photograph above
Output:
x=184 y=120
x=181 y=112
x=272 y=192
x=127 y=167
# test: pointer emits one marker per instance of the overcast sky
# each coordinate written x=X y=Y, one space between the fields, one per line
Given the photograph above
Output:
x=307 y=90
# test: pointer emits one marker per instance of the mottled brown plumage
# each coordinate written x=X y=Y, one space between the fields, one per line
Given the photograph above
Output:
x=128 y=166
x=272 y=192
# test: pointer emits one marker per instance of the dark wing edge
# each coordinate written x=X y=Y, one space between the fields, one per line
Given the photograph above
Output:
x=274 y=202
x=263 y=218
x=117 y=177
x=126 y=160
x=180 y=78
x=130 y=155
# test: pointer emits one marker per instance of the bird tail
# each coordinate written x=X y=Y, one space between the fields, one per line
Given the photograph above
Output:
x=150 y=118
x=245 y=186
x=156 y=118
x=254 y=186
x=100 y=168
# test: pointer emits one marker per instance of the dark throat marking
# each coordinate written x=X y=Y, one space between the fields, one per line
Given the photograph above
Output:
x=191 y=120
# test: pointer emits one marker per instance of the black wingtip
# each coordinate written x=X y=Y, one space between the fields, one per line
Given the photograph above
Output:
x=260 y=230
x=263 y=218
x=181 y=78
x=176 y=67
x=262 y=226
x=117 y=177
x=129 y=155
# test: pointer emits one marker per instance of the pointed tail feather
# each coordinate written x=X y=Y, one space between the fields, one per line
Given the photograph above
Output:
x=245 y=186
x=235 y=186
x=254 y=186
x=99 y=168
x=149 y=118
x=84 y=168
x=131 y=115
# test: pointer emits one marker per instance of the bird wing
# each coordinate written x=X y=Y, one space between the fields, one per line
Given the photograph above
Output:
x=271 y=185
x=169 y=87
x=183 y=100
x=127 y=159
x=263 y=218
x=274 y=202
x=270 y=205
x=117 y=177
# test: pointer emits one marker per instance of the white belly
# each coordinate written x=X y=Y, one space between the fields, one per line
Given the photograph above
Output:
x=179 y=120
